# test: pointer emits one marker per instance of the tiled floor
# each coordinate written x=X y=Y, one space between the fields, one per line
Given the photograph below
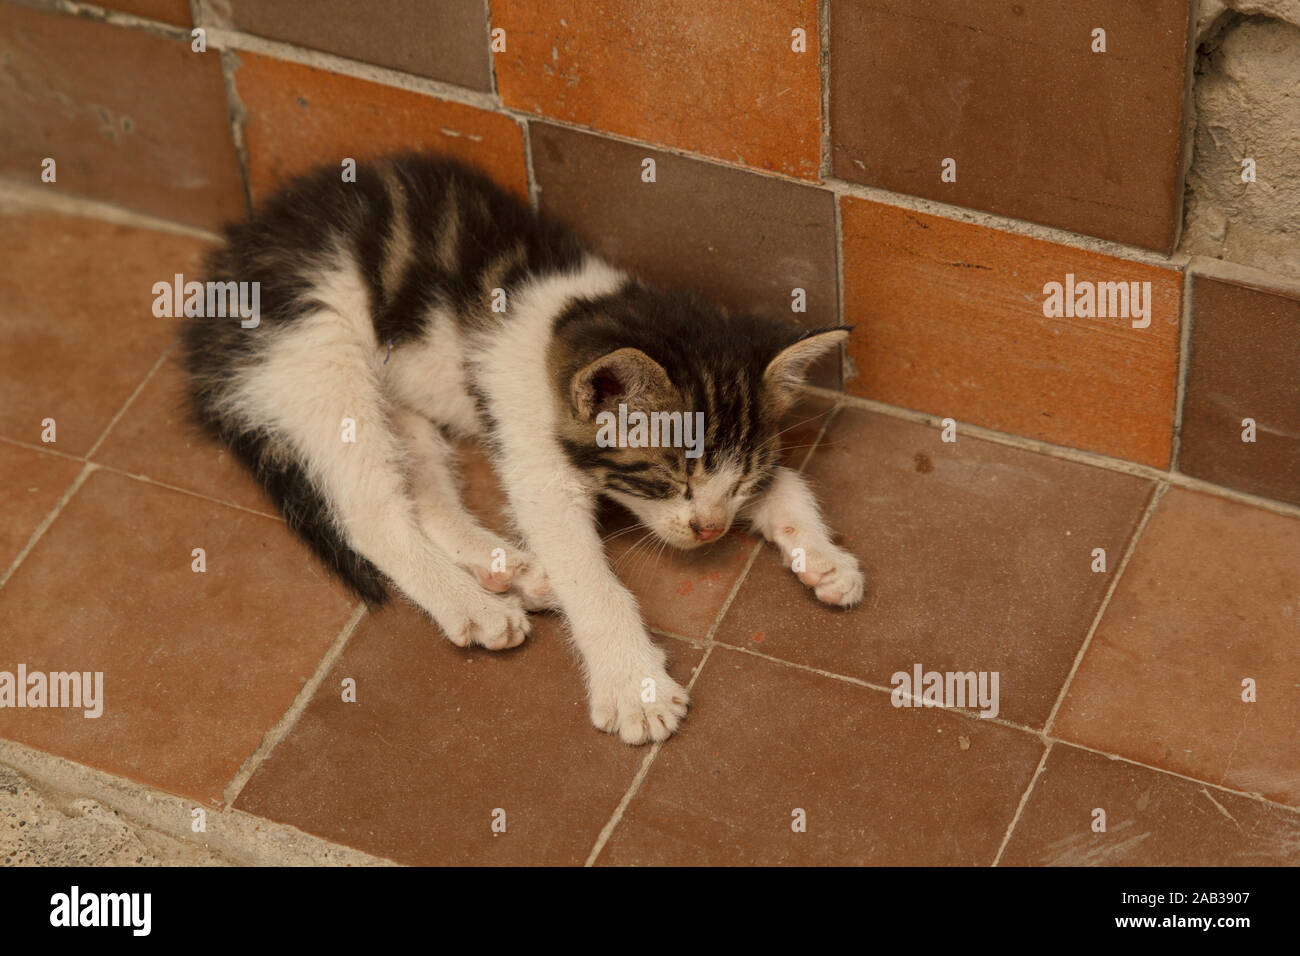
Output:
x=1120 y=690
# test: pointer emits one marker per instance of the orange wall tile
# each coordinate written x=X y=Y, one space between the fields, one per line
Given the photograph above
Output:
x=950 y=321
x=716 y=77
x=299 y=117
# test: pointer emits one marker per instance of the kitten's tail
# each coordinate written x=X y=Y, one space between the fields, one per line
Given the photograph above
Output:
x=285 y=479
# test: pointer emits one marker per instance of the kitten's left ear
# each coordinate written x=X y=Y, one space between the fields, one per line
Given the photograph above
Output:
x=786 y=372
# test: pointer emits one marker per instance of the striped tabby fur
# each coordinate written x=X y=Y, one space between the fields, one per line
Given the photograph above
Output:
x=378 y=309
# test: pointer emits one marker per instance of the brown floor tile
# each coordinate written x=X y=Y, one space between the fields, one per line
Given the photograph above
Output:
x=1244 y=363
x=1152 y=819
x=978 y=557
x=128 y=116
x=636 y=70
x=1210 y=597
x=447 y=40
x=197 y=667
x=879 y=785
x=1041 y=127
x=439 y=738
x=738 y=239
x=155 y=438
x=77 y=337
x=31 y=483
x=299 y=118
x=949 y=320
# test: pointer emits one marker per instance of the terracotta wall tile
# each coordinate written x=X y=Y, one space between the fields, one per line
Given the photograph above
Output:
x=176 y=12
x=447 y=40
x=299 y=117
x=949 y=320
x=716 y=77
x=128 y=116
x=1244 y=363
x=741 y=240
x=1041 y=127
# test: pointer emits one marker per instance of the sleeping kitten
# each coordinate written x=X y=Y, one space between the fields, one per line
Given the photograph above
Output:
x=422 y=300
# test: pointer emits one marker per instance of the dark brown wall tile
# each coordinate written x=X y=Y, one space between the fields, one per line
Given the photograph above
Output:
x=129 y=117
x=949 y=320
x=447 y=40
x=1041 y=127
x=1244 y=363
x=742 y=240
x=298 y=117
x=716 y=77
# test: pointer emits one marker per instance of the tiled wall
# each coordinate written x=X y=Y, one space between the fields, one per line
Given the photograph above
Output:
x=921 y=169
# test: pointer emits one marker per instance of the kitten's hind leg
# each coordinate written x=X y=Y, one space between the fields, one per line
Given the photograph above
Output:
x=434 y=489
x=788 y=516
x=317 y=388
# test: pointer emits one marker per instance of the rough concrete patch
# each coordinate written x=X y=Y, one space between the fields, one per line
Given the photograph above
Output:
x=1212 y=13
x=43 y=827
x=232 y=836
x=1247 y=106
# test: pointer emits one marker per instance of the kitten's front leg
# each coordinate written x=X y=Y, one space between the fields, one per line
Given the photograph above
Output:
x=788 y=516
x=630 y=691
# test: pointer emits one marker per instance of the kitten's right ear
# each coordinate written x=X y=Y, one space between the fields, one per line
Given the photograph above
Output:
x=626 y=376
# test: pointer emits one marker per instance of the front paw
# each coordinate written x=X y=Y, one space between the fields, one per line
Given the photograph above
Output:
x=832 y=573
x=639 y=707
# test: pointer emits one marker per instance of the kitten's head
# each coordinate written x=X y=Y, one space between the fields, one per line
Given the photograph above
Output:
x=678 y=420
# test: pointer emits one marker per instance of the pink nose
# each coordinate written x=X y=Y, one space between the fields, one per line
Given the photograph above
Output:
x=707 y=534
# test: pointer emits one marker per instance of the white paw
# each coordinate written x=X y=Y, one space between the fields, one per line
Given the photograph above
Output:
x=833 y=574
x=493 y=621
x=518 y=572
x=639 y=707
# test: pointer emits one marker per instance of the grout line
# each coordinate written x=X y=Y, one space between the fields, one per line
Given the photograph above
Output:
x=1024 y=799
x=146 y=480
x=634 y=787
x=1245 y=794
x=90 y=11
x=30 y=446
x=14 y=193
x=824 y=74
x=533 y=189
x=227 y=38
x=492 y=57
x=237 y=114
x=1111 y=586
x=848 y=370
x=290 y=717
x=48 y=520
x=130 y=399
x=1184 y=364
x=1065 y=453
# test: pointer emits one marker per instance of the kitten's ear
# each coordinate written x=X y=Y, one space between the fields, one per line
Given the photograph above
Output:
x=627 y=375
x=786 y=372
